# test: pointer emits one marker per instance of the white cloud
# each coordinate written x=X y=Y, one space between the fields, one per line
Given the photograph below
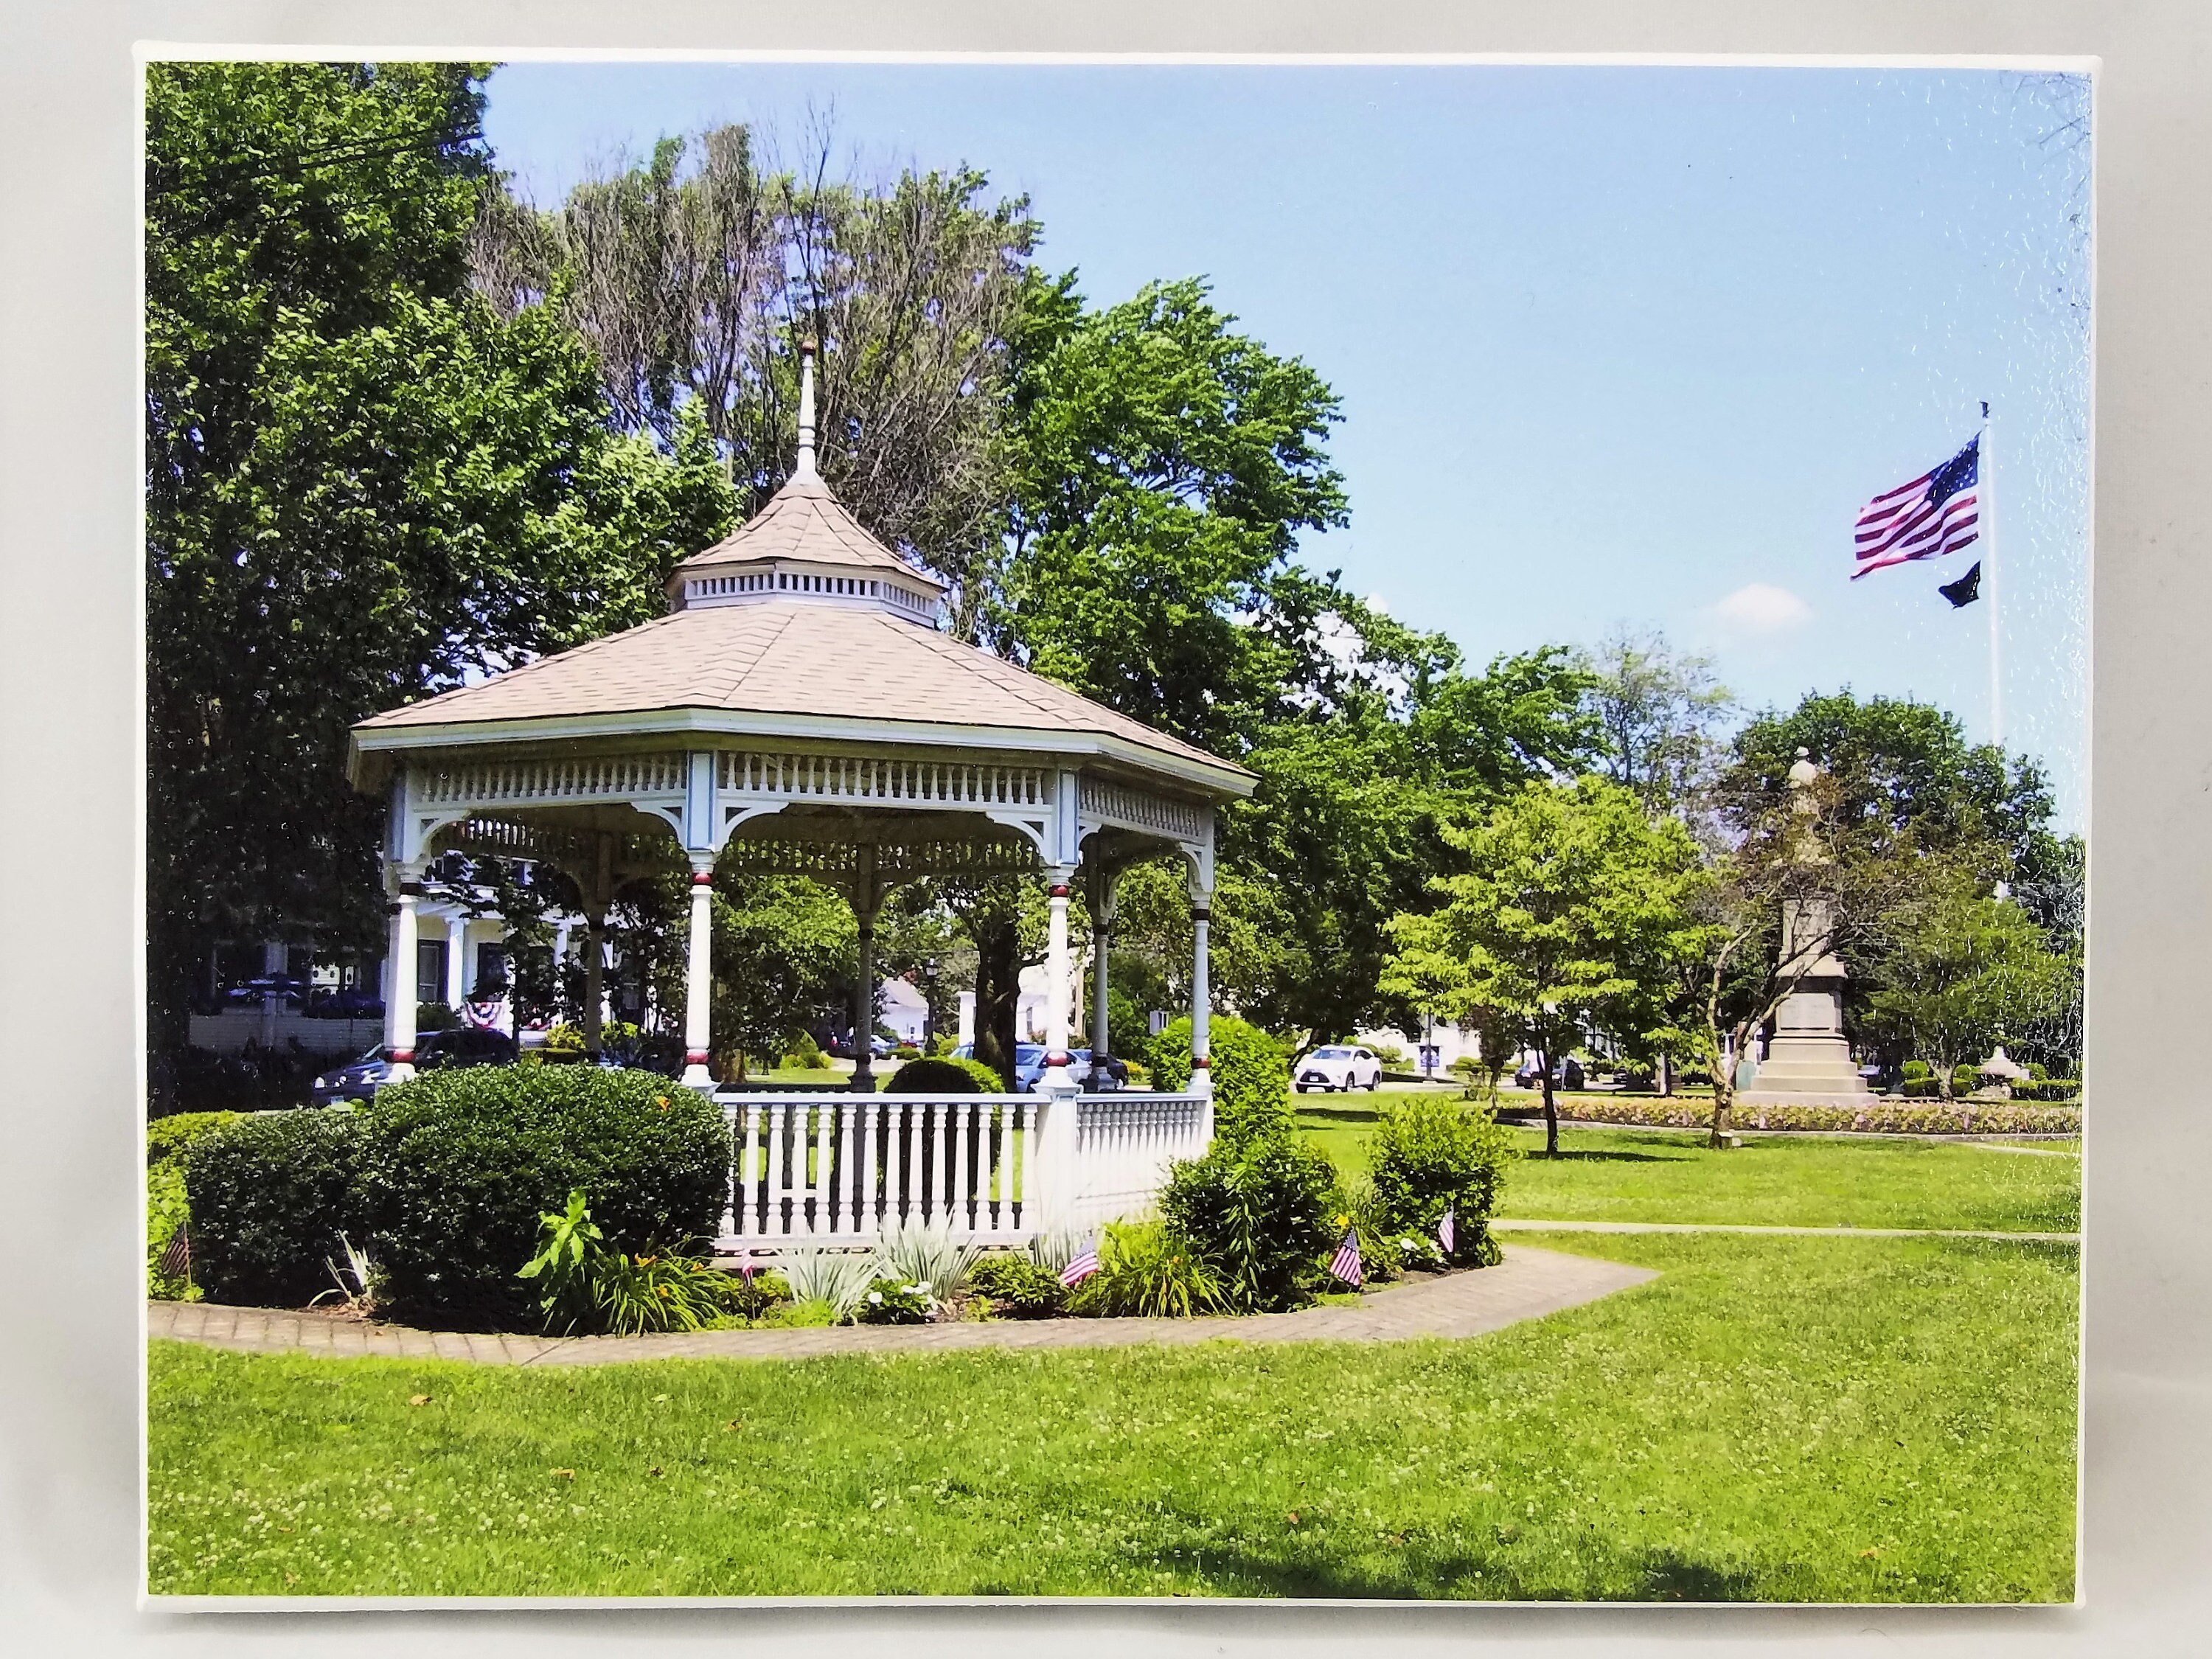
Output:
x=1761 y=608
x=1374 y=602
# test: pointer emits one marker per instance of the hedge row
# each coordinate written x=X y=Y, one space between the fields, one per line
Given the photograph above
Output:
x=444 y=1179
x=1916 y=1118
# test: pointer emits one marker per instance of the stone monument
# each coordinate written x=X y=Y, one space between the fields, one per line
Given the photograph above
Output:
x=1808 y=1062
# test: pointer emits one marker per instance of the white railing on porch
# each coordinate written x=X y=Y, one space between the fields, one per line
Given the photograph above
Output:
x=831 y=1170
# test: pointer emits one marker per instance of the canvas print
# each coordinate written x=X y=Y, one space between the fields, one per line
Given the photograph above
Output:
x=1115 y=829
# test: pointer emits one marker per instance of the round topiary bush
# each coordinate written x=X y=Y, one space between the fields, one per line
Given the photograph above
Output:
x=1257 y=1212
x=943 y=1077
x=1251 y=1076
x=458 y=1167
x=268 y=1196
x=1430 y=1153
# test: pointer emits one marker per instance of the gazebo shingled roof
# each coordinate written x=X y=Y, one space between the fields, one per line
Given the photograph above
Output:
x=801 y=699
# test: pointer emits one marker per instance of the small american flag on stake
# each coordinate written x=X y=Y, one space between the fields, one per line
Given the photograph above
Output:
x=1345 y=1264
x=176 y=1260
x=1081 y=1265
x=1937 y=513
x=1444 y=1230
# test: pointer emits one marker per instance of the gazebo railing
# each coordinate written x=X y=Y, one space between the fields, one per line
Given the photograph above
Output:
x=833 y=1170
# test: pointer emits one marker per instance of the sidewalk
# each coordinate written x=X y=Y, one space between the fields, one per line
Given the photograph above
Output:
x=1528 y=1285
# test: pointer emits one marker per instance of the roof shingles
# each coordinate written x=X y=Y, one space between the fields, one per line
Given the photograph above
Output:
x=797 y=659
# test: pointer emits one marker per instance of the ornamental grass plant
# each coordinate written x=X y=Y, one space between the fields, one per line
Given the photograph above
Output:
x=1146 y=1270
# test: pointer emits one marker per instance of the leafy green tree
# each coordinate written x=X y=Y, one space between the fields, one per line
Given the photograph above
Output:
x=1976 y=972
x=1161 y=466
x=1573 y=902
x=1903 y=766
x=1656 y=709
x=361 y=483
x=784 y=948
x=693 y=273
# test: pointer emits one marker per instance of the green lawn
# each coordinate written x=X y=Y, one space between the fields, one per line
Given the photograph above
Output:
x=1783 y=1419
x=1775 y=1180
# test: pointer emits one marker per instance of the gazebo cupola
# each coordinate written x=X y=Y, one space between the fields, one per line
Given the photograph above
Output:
x=797 y=711
x=804 y=548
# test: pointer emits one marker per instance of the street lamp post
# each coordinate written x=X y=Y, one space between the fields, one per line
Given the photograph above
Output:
x=928 y=1004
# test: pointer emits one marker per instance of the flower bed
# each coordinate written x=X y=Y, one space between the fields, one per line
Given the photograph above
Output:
x=1958 y=1117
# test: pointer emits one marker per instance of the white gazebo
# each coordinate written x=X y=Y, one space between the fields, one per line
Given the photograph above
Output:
x=799 y=711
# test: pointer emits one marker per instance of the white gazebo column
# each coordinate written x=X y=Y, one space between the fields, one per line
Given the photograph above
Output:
x=1202 y=999
x=1060 y=998
x=457 y=958
x=699 y=975
x=1101 y=928
x=399 y=1008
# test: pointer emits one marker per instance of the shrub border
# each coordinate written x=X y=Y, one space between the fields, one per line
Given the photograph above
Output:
x=1933 y=1118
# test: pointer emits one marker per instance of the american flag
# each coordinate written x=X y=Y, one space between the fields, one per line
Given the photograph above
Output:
x=1444 y=1230
x=1936 y=513
x=1080 y=1266
x=1345 y=1264
x=176 y=1260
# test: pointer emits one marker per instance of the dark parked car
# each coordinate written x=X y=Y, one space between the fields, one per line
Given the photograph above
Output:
x=253 y=993
x=1567 y=1074
x=461 y=1046
x=351 y=1004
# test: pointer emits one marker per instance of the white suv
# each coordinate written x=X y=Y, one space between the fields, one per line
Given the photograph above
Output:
x=1339 y=1068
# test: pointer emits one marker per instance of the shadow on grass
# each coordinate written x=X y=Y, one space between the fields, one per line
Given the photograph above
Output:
x=1670 y=1577
x=1568 y=1155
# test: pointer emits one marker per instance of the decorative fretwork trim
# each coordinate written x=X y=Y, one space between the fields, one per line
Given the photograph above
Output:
x=1100 y=800
x=532 y=782
x=880 y=780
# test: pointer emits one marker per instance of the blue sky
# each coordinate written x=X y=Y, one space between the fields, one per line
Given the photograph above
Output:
x=1614 y=344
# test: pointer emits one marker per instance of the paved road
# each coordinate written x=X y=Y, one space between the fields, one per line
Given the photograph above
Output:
x=1529 y=1284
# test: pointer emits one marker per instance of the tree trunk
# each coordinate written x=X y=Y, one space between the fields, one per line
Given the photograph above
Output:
x=1551 y=1106
x=1723 y=1105
x=1666 y=1077
x=997 y=989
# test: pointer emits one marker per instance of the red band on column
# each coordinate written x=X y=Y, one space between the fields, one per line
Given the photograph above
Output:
x=1200 y=1063
x=1062 y=1061
x=695 y=1056
x=702 y=877
x=403 y=1056
x=1058 y=890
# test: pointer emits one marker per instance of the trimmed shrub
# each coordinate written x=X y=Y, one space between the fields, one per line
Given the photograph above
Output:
x=942 y=1077
x=1017 y=1287
x=433 y=1016
x=1430 y=1153
x=805 y=1055
x=167 y=1209
x=459 y=1165
x=1251 y=1077
x=1965 y=1080
x=1883 y=1117
x=1257 y=1212
x=167 y=1138
x=269 y=1195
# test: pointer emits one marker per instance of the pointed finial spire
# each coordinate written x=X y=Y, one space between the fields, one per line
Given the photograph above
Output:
x=807 y=348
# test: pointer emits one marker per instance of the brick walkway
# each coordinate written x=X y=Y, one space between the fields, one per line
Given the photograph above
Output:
x=1527 y=1284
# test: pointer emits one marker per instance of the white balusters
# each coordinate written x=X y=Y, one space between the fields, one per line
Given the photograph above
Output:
x=963 y=1209
x=824 y=1169
x=775 y=1224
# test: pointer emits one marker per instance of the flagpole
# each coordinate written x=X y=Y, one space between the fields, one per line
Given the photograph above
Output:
x=1989 y=515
